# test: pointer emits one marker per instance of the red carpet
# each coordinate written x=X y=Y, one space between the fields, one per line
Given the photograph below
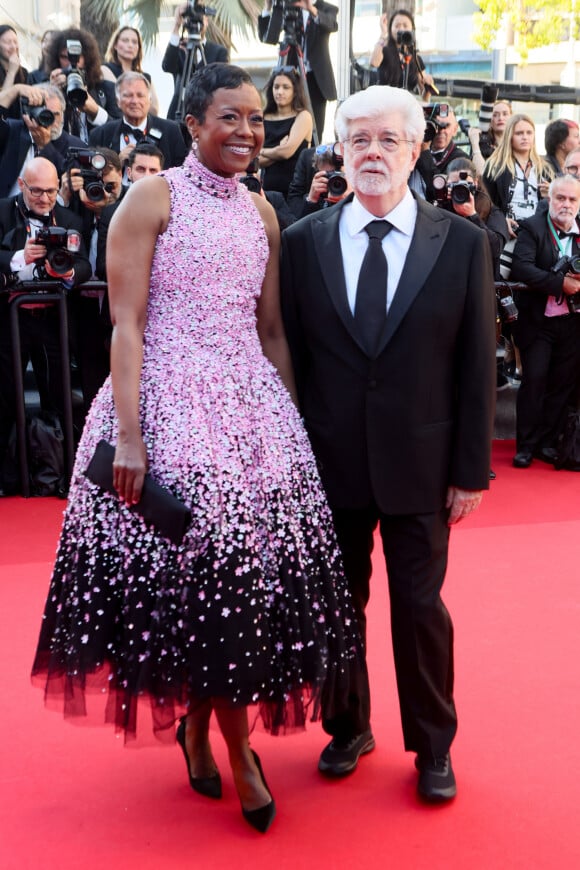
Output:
x=73 y=797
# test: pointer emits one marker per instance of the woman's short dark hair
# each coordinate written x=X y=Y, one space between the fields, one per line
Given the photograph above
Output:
x=206 y=81
x=90 y=52
x=298 y=100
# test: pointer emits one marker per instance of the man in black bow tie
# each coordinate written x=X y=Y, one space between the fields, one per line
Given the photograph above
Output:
x=134 y=98
x=21 y=218
x=389 y=312
x=547 y=330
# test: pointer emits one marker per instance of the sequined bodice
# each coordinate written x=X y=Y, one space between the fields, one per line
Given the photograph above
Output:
x=206 y=300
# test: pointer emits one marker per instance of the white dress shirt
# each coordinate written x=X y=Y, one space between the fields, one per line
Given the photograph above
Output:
x=354 y=242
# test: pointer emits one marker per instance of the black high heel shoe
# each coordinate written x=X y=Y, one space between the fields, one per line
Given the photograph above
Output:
x=262 y=818
x=208 y=786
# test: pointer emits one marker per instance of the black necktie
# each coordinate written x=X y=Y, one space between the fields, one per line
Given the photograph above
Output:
x=135 y=132
x=370 y=310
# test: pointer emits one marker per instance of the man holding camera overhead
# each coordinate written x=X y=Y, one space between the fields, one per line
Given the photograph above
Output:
x=547 y=259
x=22 y=219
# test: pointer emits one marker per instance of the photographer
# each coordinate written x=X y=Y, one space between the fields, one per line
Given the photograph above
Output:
x=309 y=189
x=136 y=124
x=38 y=133
x=88 y=191
x=176 y=52
x=546 y=260
x=311 y=31
x=438 y=149
x=465 y=196
x=396 y=57
x=22 y=218
x=75 y=65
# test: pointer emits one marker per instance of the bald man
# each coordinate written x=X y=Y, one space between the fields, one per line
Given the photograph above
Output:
x=21 y=218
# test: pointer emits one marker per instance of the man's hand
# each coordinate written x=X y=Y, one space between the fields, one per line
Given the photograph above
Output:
x=40 y=135
x=33 y=252
x=461 y=502
x=319 y=186
x=571 y=284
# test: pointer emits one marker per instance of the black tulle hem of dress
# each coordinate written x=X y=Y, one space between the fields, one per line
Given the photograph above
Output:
x=91 y=700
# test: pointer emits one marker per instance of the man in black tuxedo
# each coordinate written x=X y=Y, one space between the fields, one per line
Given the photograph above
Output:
x=22 y=140
x=21 y=218
x=318 y=20
x=134 y=98
x=547 y=330
x=175 y=55
x=394 y=352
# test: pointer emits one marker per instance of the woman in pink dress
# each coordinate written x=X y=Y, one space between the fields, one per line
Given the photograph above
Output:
x=250 y=609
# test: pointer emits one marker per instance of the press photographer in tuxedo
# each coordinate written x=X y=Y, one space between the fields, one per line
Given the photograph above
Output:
x=22 y=217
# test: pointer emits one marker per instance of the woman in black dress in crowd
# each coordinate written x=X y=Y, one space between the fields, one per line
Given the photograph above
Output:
x=391 y=60
x=100 y=104
x=287 y=127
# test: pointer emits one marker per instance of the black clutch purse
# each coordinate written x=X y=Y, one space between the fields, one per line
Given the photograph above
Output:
x=157 y=505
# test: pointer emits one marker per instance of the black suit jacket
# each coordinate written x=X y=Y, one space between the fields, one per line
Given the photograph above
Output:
x=316 y=41
x=171 y=143
x=534 y=255
x=174 y=61
x=418 y=418
x=13 y=236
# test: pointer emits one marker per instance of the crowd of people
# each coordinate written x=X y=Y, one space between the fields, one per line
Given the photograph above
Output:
x=263 y=379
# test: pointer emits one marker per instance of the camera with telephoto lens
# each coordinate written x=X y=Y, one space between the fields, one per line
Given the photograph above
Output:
x=75 y=88
x=433 y=125
x=452 y=193
x=91 y=165
x=43 y=116
x=193 y=16
x=337 y=183
x=250 y=179
x=564 y=266
x=61 y=246
x=406 y=41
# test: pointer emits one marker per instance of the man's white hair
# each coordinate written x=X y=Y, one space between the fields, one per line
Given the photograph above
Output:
x=379 y=100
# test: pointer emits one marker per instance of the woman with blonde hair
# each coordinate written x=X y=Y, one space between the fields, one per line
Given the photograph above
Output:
x=125 y=54
x=515 y=175
x=516 y=178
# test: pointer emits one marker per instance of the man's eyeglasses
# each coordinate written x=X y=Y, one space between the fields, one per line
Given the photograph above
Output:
x=37 y=192
x=387 y=143
x=571 y=170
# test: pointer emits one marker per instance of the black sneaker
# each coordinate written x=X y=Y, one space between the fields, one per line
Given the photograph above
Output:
x=436 y=779
x=341 y=757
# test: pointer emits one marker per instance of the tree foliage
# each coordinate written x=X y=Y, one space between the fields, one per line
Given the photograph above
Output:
x=541 y=22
